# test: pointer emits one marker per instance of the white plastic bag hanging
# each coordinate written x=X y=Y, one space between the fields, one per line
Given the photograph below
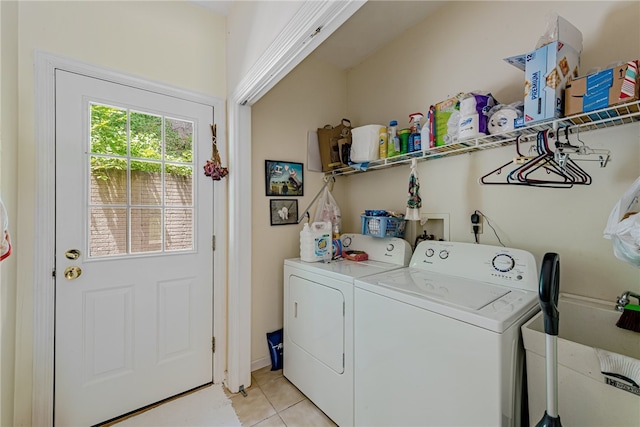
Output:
x=5 y=240
x=328 y=211
x=623 y=226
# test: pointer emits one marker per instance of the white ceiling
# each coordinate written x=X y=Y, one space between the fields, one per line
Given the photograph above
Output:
x=373 y=26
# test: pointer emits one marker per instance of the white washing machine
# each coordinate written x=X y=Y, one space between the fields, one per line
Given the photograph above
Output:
x=438 y=343
x=318 y=320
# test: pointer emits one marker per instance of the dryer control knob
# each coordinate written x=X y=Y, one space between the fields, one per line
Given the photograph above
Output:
x=390 y=247
x=429 y=252
x=346 y=242
x=444 y=254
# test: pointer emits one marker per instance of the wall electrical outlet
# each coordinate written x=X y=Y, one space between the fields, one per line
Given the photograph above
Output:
x=476 y=220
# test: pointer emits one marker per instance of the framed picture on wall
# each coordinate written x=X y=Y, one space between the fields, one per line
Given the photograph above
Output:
x=283 y=211
x=283 y=178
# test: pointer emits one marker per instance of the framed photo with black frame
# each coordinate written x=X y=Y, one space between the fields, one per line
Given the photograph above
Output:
x=283 y=211
x=283 y=179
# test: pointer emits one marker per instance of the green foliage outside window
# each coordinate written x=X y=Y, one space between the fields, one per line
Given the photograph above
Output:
x=109 y=138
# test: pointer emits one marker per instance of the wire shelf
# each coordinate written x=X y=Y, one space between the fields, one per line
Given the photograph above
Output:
x=617 y=115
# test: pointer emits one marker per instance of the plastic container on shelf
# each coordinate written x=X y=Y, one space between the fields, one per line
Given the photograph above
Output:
x=316 y=242
x=404 y=140
x=415 y=138
x=364 y=143
x=383 y=141
x=426 y=134
x=393 y=142
x=424 y=138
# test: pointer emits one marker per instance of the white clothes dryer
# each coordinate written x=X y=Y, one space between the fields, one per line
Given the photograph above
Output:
x=318 y=320
x=438 y=343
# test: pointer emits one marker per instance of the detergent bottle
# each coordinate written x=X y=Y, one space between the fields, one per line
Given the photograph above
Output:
x=415 y=138
x=383 y=142
x=316 y=242
x=393 y=142
x=306 y=244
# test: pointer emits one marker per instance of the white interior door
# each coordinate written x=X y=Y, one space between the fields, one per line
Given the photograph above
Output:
x=134 y=260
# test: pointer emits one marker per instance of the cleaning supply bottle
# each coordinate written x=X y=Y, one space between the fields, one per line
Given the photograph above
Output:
x=415 y=138
x=383 y=141
x=428 y=131
x=316 y=243
x=323 y=242
x=306 y=244
x=404 y=140
x=424 y=135
x=393 y=142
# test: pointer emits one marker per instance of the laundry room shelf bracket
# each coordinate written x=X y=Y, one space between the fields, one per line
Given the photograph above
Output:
x=614 y=116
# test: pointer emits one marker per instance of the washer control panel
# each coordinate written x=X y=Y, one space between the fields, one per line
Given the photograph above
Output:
x=493 y=264
x=392 y=249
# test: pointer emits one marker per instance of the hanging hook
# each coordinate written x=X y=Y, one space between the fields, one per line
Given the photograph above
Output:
x=327 y=181
x=578 y=136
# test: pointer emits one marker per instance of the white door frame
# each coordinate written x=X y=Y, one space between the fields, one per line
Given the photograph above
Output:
x=307 y=29
x=44 y=260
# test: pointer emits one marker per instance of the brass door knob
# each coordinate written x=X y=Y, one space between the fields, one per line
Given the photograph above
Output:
x=73 y=272
x=72 y=254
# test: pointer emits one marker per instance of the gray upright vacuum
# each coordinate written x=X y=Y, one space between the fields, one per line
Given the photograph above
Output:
x=548 y=292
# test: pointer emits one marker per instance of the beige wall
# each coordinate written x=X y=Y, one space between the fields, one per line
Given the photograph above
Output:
x=9 y=194
x=312 y=95
x=459 y=49
x=172 y=42
x=436 y=59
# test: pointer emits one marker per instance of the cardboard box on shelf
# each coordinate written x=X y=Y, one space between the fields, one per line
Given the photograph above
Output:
x=547 y=71
x=603 y=89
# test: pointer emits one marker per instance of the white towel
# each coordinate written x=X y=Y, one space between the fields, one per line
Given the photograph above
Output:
x=620 y=366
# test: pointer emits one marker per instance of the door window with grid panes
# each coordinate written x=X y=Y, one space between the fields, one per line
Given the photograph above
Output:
x=141 y=189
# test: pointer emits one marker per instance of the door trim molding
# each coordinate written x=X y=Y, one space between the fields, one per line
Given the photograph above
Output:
x=42 y=404
x=308 y=28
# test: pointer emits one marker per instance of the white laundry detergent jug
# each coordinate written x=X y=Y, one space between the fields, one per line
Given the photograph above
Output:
x=315 y=242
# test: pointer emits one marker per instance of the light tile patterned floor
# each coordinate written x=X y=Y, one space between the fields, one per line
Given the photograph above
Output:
x=272 y=401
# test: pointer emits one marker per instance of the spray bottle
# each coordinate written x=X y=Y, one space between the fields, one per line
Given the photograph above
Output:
x=428 y=130
x=415 y=139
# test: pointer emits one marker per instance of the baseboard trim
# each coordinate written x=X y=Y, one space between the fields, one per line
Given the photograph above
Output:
x=260 y=363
